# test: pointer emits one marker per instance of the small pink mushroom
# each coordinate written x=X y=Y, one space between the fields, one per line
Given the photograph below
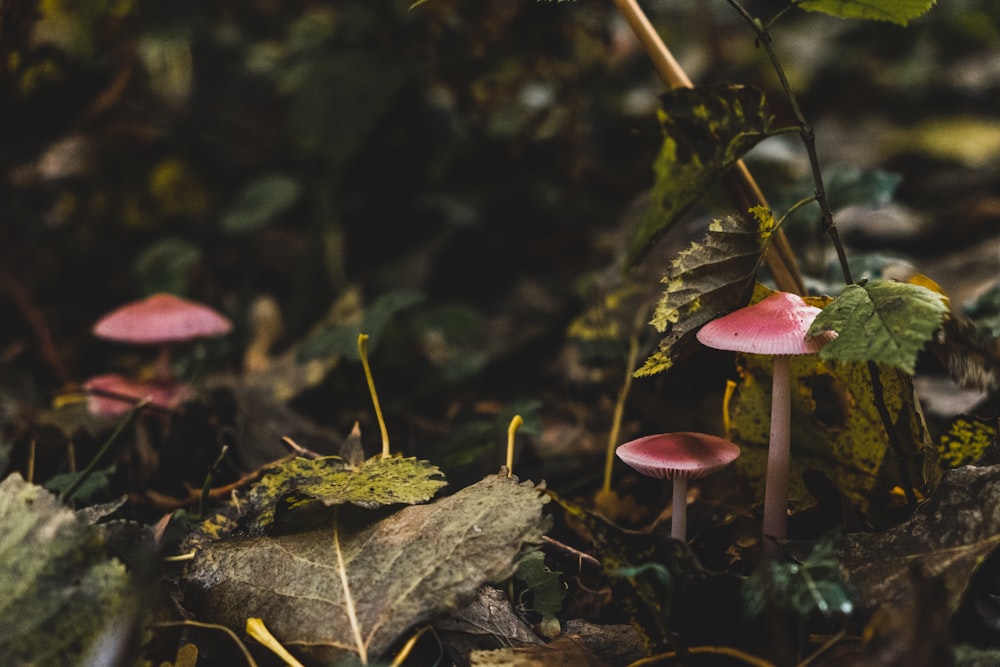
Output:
x=161 y=319
x=776 y=325
x=113 y=395
x=678 y=457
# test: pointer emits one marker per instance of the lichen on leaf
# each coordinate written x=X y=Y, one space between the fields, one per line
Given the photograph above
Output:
x=706 y=280
x=706 y=130
x=331 y=480
x=884 y=321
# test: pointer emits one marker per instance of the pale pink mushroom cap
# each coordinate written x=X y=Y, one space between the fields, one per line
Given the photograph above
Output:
x=678 y=455
x=161 y=318
x=127 y=392
x=777 y=324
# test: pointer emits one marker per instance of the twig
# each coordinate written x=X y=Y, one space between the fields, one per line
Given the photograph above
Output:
x=46 y=345
x=805 y=131
x=738 y=182
x=730 y=651
x=213 y=626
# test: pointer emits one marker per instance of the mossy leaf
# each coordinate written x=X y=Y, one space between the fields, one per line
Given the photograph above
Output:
x=883 y=321
x=893 y=11
x=415 y=564
x=706 y=130
x=58 y=587
x=708 y=279
x=332 y=481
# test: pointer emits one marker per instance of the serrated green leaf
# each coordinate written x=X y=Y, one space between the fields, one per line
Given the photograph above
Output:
x=332 y=481
x=882 y=321
x=58 y=588
x=706 y=130
x=893 y=11
x=708 y=279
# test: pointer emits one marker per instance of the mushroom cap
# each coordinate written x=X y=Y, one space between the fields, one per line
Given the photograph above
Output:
x=673 y=455
x=777 y=324
x=161 y=318
x=165 y=395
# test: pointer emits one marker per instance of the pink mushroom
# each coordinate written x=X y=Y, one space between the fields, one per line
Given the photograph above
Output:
x=678 y=457
x=161 y=319
x=112 y=395
x=776 y=325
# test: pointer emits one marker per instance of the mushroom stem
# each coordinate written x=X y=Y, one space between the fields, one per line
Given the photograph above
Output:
x=163 y=371
x=779 y=450
x=678 y=524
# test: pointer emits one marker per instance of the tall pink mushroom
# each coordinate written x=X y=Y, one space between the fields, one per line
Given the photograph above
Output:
x=678 y=457
x=160 y=320
x=776 y=325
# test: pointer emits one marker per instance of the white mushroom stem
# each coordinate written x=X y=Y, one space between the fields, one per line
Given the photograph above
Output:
x=678 y=522
x=779 y=450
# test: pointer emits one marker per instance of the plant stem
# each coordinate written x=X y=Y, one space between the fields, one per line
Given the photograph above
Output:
x=740 y=186
x=363 y=353
x=616 y=419
x=806 y=132
x=878 y=392
x=515 y=424
x=68 y=494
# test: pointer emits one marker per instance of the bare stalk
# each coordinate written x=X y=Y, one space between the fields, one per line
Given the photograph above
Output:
x=807 y=134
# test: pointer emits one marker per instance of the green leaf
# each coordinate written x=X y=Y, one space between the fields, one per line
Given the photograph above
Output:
x=332 y=481
x=414 y=565
x=894 y=11
x=547 y=590
x=342 y=339
x=260 y=203
x=165 y=266
x=58 y=588
x=883 y=321
x=706 y=280
x=816 y=584
x=706 y=130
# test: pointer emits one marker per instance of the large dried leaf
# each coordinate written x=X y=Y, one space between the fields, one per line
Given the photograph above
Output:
x=884 y=321
x=947 y=538
x=706 y=130
x=417 y=563
x=707 y=280
x=332 y=481
x=58 y=588
x=894 y=11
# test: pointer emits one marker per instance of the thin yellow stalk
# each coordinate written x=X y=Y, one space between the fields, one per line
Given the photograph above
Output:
x=363 y=353
x=616 y=419
x=515 y=424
